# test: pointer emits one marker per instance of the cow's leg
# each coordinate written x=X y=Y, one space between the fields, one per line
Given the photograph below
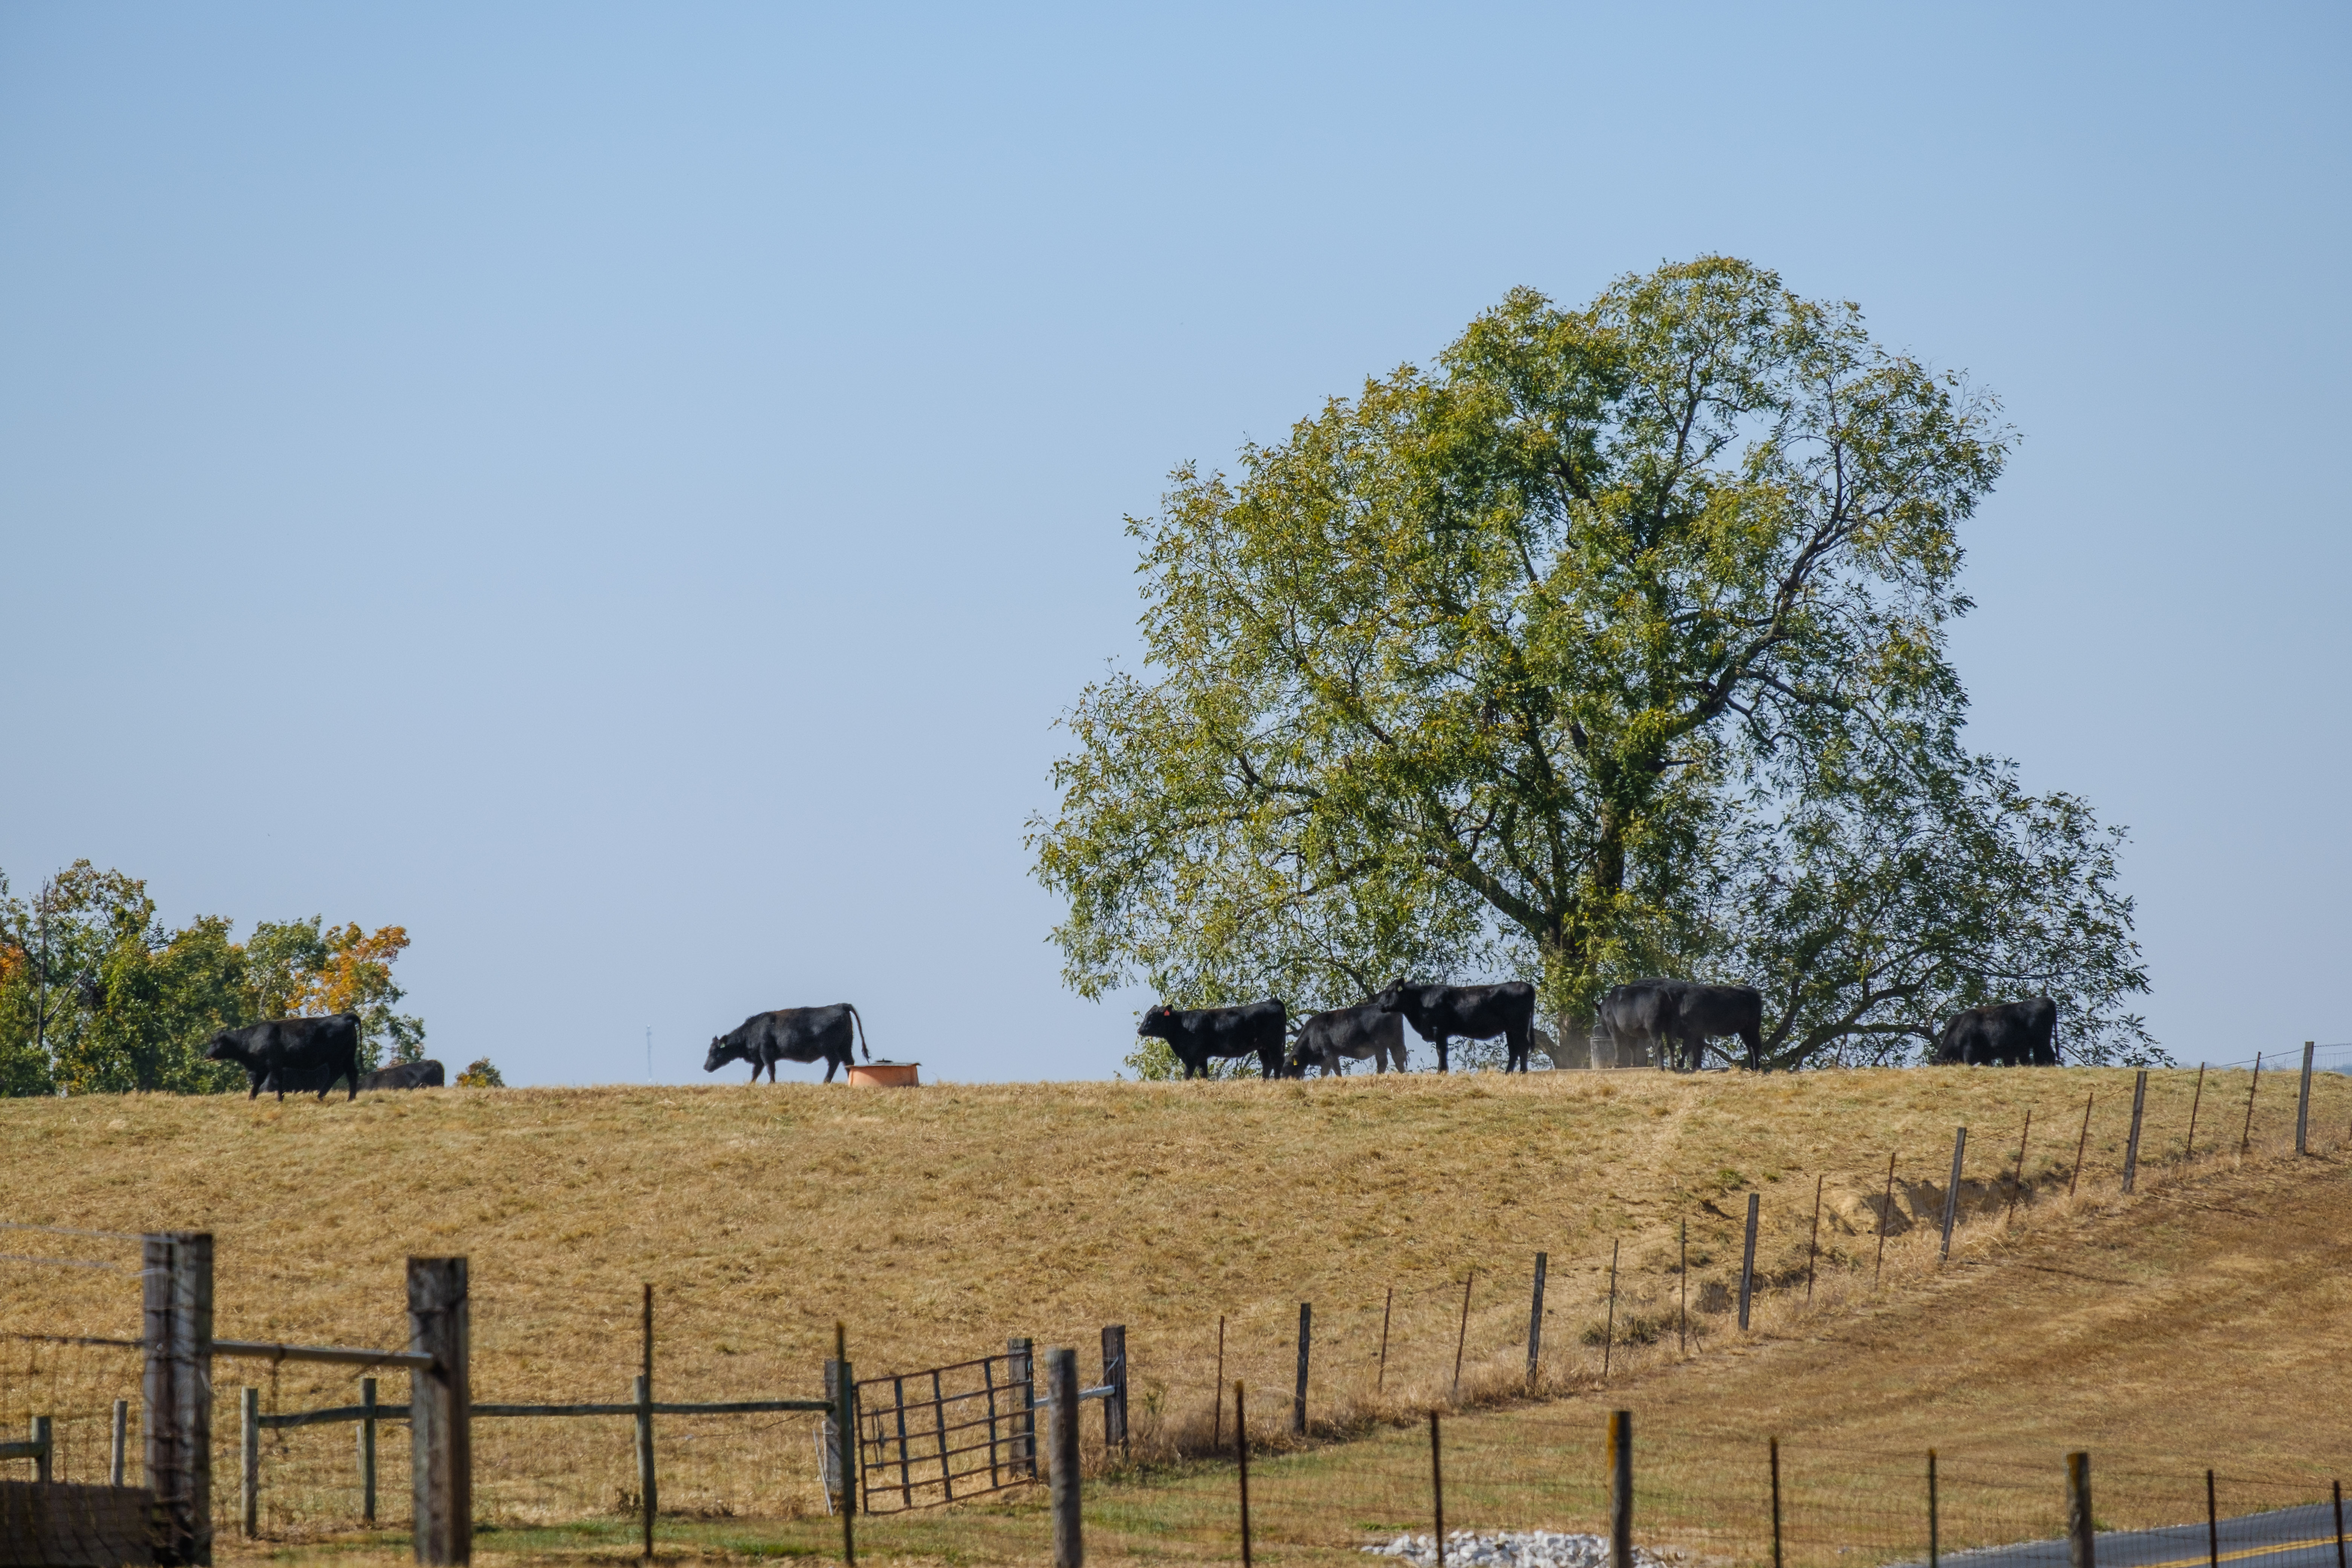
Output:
x=1753 y=1039
x=755 y=1072
x=829 y=1065
x=1442 y=1041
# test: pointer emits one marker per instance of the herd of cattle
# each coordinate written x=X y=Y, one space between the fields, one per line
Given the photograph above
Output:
x=1672 y=1019
x=1675 y=1018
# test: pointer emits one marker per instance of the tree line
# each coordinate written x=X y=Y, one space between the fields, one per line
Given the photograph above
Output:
x=1613 y=645
x=98 y=997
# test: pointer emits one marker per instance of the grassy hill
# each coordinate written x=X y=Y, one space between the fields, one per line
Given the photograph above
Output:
x=938 y=1222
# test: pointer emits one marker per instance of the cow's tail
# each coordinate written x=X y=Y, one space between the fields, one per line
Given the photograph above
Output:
x=861 y=1029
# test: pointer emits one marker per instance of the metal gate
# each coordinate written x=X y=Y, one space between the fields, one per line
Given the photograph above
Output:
x=948 y=1433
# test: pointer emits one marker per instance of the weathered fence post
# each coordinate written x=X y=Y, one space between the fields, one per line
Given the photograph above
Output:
x=2080 y=1553
x=177 y=1386
x=1747 y=1259
x=1305 y=1349
x=114 y=1451
x=1114 y=1355
x=1609 y=1328
x=1813 y=1246
x=45 y=1453
x=367 y=1450
x=1952 y=1191
x=1682 y=1271
x=1380 y=1383
x=841 y=1388
x=645 y=1401
x=2196 y=1100
x=1023 y=1356
x=2131 y=1145
x=2017 y=1182
x=2303 y=1104
x=248 y=1403
x=2082 y=1142
x=1535 y=1324
x=1885 y=1213
x=2246 y=1139
x=1062 y=1440
x=1775 y=1444
x=440 y=1412
x=1436 y=1490
x=1620 y=1488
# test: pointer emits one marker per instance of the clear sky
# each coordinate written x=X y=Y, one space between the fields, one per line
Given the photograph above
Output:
x=624 y=491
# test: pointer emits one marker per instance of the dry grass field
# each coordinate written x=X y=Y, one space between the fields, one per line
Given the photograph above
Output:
x=2202 y=1316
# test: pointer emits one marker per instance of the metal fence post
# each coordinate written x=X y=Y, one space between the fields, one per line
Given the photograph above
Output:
x=1062 y=1439
x=1952 y=1191
x=177 y=1387
x=1305 y=1350
x=2303 y=1104
x=1436 y=1490
x=2131 y=1145
x=122 y=1432
x=1620 y=1488
x=848 y=1451
x=1241 y=1455
x=248 y=1402
x=44 y=1449
x=1775 y=1443
x=440 y=1413
x=647 y=1486
x=1935 y=1542
x=2080 y=1552
x=1747 y=1259
x=367 y=1449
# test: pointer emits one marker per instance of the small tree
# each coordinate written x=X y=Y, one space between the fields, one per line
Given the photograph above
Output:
x=480 y=1074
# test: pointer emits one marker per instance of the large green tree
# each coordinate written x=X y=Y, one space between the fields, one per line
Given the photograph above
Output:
x=1604 y=647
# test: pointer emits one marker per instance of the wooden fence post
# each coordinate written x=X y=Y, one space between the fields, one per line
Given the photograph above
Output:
x=1463 y=1338
x=440 y=1413
x=2303 y=1104
x=2195 y=1103
x=367 y=1450
x=177 y=1388
x=45 y=1450
x=1620 y=1488
x=646 y=1493
x=114 y=1452
x=1747 y=1259
x=1885 y=1213
x=248 y=1403
x=2080 y=1552
x=2082 y=1142
x=1952 y=1191
x=1114 y=1355
x=848 y=1452
x=2131 y=1145
x=1380 y=1383
x=1062 y=1440
x=1305 y=1349
x=1534 y=1323
x=2017 y=1182
x=1023 y=1356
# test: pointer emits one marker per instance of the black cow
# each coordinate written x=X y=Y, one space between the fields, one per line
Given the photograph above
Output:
x=790 y=1035
x=426 y=1074
x=1350 y=1033
x=1442 y=1012
x=2008 y=1034
x=327 y=1048
x=1197 y=1034
x=1684 y=1014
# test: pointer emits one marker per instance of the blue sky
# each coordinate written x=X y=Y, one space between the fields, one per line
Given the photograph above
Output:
x=624 y=491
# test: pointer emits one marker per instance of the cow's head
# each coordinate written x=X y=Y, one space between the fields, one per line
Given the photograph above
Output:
x=722 y=1051
x=224 y=1047
x=1391 y=998
x=1159 y=1021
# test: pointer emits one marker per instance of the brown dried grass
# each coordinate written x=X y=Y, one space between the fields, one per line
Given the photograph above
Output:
x=937 y=1222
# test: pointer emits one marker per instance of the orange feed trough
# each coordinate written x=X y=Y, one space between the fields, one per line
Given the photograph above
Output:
x=883 y=1074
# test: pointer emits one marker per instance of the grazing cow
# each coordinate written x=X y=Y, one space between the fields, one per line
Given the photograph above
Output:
x=426 y=1074
x=790 y=1035
x=1440 y=1013
x=322 y=1049
x=1198 y=1034
x=1350 y=1033
x=2009 y=1034
x=1681 y=1015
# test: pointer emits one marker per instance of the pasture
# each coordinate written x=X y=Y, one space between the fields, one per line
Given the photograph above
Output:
x=937 y=1222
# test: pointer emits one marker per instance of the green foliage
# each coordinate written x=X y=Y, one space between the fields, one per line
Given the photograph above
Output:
x=480 y=1075
x=1558 y=659
x=98 y=996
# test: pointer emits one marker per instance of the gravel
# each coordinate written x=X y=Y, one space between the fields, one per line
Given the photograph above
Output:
x=1512 y=1549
